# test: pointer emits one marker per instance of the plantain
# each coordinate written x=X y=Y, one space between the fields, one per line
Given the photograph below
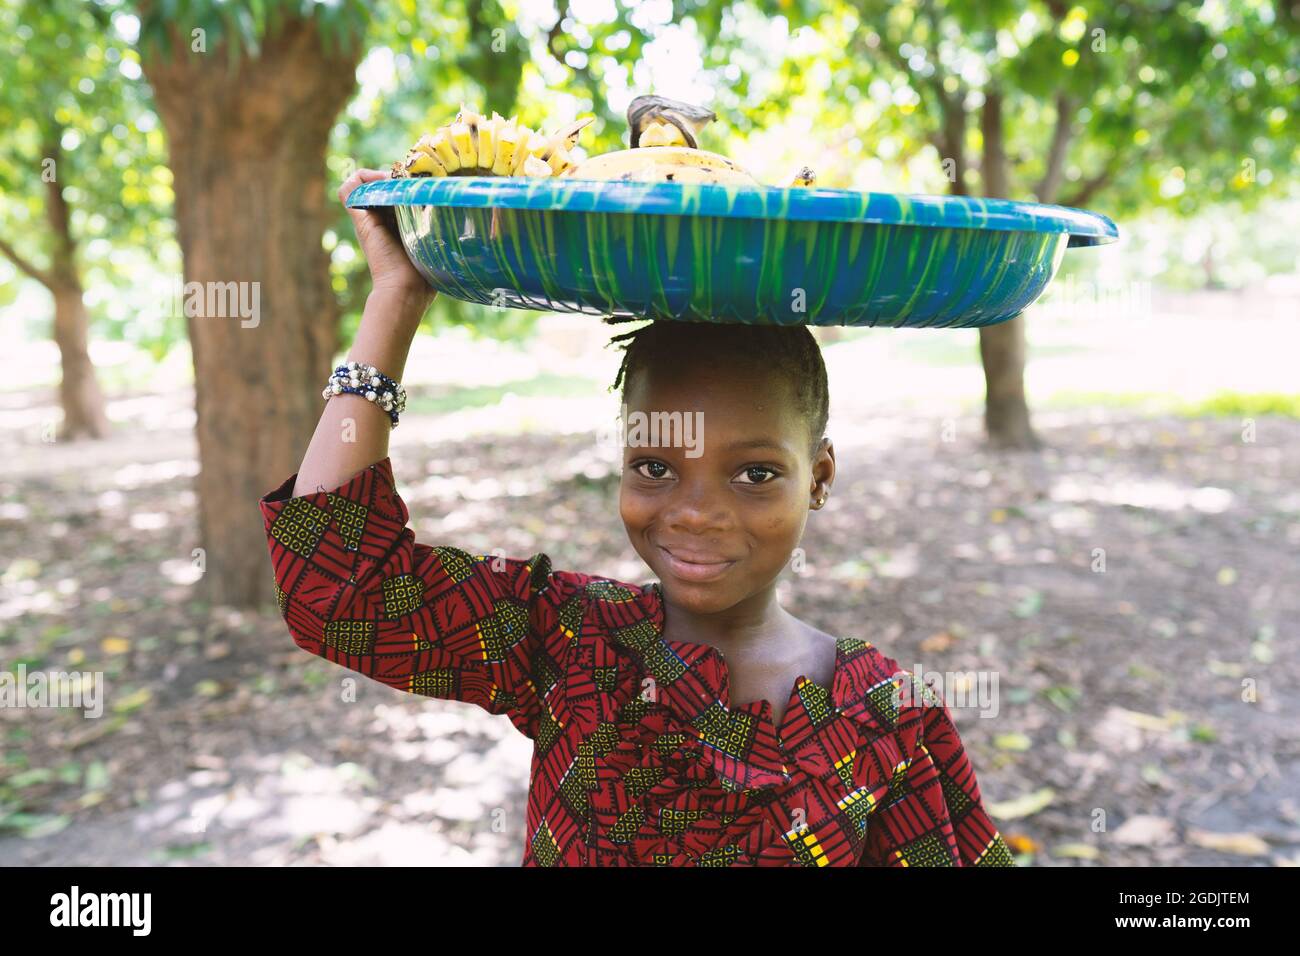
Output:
x=664 y=148
x=805 y=177
x=645 y=112
x=678 y=164
x=474 y=145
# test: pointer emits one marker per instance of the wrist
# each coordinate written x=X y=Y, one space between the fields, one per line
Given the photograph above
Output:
x=399 y=303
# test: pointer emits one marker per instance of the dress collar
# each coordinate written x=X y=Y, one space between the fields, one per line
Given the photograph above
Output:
x=744 y=747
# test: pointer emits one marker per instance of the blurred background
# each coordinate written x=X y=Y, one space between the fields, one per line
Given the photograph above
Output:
x=1097 y=500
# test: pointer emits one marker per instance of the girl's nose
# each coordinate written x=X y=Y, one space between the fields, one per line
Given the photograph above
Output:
x=696 y=509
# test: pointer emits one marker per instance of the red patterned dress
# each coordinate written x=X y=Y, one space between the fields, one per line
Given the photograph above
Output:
x=639 y=758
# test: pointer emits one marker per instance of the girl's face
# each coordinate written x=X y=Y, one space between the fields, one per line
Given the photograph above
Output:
x=715 y=498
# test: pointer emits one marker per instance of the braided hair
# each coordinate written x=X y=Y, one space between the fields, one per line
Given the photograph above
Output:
x=788 y=350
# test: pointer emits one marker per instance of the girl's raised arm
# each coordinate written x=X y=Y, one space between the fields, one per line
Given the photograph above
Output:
x=350 y=437
x=353 y=584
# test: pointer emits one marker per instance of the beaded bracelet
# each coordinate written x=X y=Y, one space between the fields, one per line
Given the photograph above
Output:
x=367 y=381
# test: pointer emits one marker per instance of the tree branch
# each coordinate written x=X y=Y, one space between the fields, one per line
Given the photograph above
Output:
x=592 y=84
x=40 y=275
x=1062 y=133
x=950 y=136
x=1089 y=187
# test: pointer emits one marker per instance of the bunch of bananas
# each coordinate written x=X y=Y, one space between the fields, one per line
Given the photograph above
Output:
x=663 y=148
x=473 y=145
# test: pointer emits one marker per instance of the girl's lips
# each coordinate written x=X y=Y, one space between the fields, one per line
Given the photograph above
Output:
x=696 y=570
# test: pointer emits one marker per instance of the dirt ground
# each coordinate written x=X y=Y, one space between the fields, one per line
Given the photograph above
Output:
x=1147 y=708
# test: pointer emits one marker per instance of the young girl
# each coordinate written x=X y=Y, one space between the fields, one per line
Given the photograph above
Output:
x=688 y=722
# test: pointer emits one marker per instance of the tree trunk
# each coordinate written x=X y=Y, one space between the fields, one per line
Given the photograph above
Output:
x=247 y=145
x=951 y=139
x=1002 y=346
x=79 y=391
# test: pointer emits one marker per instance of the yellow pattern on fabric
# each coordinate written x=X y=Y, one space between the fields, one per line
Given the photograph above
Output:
x=350 y=637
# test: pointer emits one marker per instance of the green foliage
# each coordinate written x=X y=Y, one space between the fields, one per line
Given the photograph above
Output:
x=78 y=119
x=239 y=27
x=1237 y=404
x=1174 y=104
x=1177 y=106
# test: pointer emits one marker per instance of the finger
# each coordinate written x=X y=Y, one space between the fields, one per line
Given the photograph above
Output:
x=356 y=179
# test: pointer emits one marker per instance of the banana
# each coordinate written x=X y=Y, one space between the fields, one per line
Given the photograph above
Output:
x=568 y=135
x=487 y=141
x=474 y=145
x=664 y=149
x=535 y=147
x=522 y=153
x=560 y=161
x=471 y=118
x=680 y=164
x=805 y=177
x=662 y=134
x=534 y=167
x=425 y=145
x=688 y=120
x=466 y=148
x=507 y=142
x=447 y=154
x=420 y=163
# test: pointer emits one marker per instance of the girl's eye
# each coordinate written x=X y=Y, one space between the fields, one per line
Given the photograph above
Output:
x=662 y=469
x=760 y=469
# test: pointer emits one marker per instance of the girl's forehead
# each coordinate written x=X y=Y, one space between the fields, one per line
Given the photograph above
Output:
x=728 y=401
x=696 y=382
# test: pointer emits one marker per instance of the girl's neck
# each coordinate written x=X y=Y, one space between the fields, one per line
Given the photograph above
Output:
x=755 y=624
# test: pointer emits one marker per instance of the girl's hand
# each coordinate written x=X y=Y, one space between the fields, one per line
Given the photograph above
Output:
x=390 y=268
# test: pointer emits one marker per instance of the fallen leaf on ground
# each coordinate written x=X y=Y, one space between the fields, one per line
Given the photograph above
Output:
x=1242 y=844
x=1145 y=830
x=1024 y=806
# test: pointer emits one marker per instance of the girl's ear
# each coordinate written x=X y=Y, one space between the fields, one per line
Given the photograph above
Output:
x=823 y=470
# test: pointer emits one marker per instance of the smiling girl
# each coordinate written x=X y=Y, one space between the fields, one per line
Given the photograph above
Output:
x=692 y=721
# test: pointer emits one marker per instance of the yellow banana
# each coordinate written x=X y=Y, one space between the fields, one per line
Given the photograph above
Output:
x=521 y=151
x=466 y=148
x=487 y=141
x=568 y=136
x=420 y=163
x=534 y=167
x=662 y=134
x=560 y=161
x=680 y=164
x=507 y=141
x=805 y=177
x=446 y=152
x=474 y=145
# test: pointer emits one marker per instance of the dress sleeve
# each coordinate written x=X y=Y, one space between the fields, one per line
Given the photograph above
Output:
x=933 y=814
x=356 y=588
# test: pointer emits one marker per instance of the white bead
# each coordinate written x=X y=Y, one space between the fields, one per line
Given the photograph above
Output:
x=374 y=380
x=336 y=388
x=370 y=396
